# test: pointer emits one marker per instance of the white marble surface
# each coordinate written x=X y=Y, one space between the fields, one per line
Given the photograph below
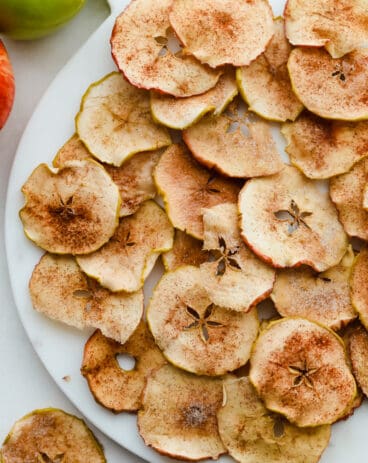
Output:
x=25 y=384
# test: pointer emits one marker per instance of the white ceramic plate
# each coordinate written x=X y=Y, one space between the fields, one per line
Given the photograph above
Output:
x=59 y=347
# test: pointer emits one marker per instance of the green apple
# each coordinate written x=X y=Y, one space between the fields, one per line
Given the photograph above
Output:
x=30 y=19
x=7 y=86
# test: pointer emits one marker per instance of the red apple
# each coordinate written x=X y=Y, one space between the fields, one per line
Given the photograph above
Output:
x=7 y=85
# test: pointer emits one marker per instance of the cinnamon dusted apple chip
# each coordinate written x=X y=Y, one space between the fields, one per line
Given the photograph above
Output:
x=331 y=88
x=115 y=122
x=365 y=198
x=358 y=350
x=300 y=370
x=323 y=148
x=252 y=434
x=194 y=333
x=126 y=260
x=234 y=277
x=74 y=210
x=358 y=286
x=150 y=56
x=288 y=221
x=112 y=386
x=186 y=251
x=265 y=83
x=236 y=143
x=187 y=188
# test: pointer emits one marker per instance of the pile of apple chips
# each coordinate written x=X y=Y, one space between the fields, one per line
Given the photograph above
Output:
x=238 y=225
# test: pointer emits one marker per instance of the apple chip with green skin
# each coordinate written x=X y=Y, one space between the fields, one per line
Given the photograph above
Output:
x=252 y=434
x=178 y=415
x=195 y=334
x=358 y=350
x=234 y=277
x=187 y=188
x=113 y=387
x=338 y=25
x=62 y=292
x=74 y=210
x=358 y=286
x=331 y=88
x=115 y=122
x=288 y=221
x=127 y=259
x=50 y=435
x=186 y=250
x=347 y=192
x=323 y=148
x=265 y=84
x=150 y=56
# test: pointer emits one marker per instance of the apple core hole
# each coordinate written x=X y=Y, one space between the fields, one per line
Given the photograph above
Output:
x=126 y=362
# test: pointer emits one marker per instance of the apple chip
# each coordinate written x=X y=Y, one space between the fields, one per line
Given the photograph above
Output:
x=347 y=192
x=51 y=436
x=178 y=415
x=234 y=277
x=115 y=122
x=252 y=434
x=74 y=210
x=288 y=221
x=358 y=350
x=236 y=143
x=194 y=333
x=112 y=386
x=365 y=198
x=187 y=188
x=338 y=25
x=150 y=56
x=186 y=251
x=331 y=88
x=358 y=286
x=323 y=148
x=221 y=32
x=320 y=297
x=61 y=291
x=265 y=83
x=300 y=370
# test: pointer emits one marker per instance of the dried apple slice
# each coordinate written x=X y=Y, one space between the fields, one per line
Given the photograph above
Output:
x=358 y=350
x=300 y=370
x=126 y=260
x=331 y=88
x=234 y=277
x=74 y=210
x=61 y=291
x=51 y=436
x=320 y=297
x=112 y=386
x=288 y=221
x=186 y=251
x=115 y=122
x=199 y=188
x=194 y=333
x=236 y=143
x=358 y=286
x=265 y=83
x=221 y=32
x=323 y=148
x=339 y=26
x=178 y=415
x=148 y=53
x=252 y=434
x=365 y=198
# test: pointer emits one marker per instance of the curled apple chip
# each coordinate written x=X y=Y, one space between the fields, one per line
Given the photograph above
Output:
x=265 y=84
x=50 y=435
x=300 y=369
x=288 y=221
x=339 y=26
x=74 y=210
x=347 y=192
x=331 y=88
x=358 y=350
x=127 y=259
x=194 y=333
x=150 y=56
x=221 y=32
x=199 y=188
x=323 y=148
x=252 y=434
x=112 y=386
x=358 y=286
x=186 y=250
x=61 y=291
x=236 y=143
x=234 y=277
x=178 y=414
x=115 y=122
